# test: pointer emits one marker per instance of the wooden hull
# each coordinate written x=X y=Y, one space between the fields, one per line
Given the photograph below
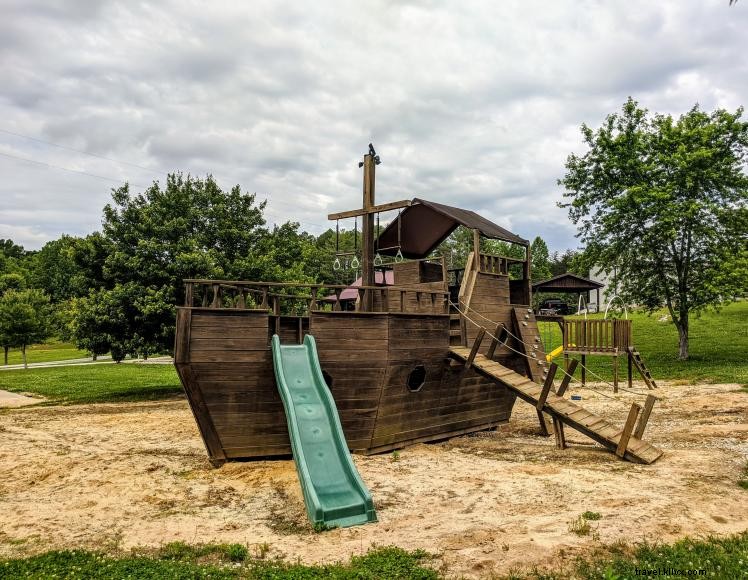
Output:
x=224 y=361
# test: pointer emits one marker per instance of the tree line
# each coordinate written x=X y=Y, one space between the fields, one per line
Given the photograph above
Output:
x=661 y=206
x=115 y=290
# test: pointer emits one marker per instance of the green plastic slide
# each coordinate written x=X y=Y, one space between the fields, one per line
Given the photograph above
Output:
x=334 y=493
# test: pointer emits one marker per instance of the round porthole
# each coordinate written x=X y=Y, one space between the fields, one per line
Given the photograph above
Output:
x=416 y=379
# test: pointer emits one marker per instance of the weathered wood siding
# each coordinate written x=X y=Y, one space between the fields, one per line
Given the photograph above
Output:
x=352 y=350
x=223 y=358
x=490 y=299
x=450 y=401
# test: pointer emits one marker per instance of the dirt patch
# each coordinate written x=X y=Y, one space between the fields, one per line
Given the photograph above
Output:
x=122 y=475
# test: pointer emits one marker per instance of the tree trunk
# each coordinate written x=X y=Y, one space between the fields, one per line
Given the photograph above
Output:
x=23 y=355
x=94 y=356
x=683 y=337
x=7 y=348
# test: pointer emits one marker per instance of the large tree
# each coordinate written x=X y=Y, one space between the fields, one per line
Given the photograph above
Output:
x=662 y=205
x=185 y=228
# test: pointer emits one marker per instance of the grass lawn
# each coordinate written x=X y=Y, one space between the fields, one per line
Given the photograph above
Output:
x=177 y=560
x=95 y=383
x=718 y=347
x=50 y=351
x=723 y=558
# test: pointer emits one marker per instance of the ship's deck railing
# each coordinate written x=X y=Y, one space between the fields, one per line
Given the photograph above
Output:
x=299 y=299
x=496 y=264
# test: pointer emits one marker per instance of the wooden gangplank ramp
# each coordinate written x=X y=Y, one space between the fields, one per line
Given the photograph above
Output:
x=619 y=441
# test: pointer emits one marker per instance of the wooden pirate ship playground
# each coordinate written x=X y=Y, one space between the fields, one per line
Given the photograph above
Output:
x=413 y=353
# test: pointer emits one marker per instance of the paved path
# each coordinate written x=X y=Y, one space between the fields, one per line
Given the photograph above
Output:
x=14 y=400
x=88 y=361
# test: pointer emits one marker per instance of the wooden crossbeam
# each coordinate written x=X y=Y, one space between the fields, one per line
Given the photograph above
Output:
x=547 y=386
x=628 y=428
x=495 y=340
x=642 y=424
x=370 y=210
x=543 y=397
x=567 y=377
x=476 y=346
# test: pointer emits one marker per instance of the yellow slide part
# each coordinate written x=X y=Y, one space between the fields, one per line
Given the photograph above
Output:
x=555 y=352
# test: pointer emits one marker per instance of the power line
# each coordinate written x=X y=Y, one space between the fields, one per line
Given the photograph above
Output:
x=78 y=171
x=82 y=152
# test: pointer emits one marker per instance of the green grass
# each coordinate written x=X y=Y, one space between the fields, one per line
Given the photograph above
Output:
x=50 y=351
x=95 y=383
x=722 y=558
x=718 y=347
x=719 y=557
x=177 y=561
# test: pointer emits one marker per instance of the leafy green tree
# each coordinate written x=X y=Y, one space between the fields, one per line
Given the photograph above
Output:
x=25 y=319
x=11 y=281
x=541 y=260
x=662 y=202
x=10 y=249
x=185 y=228
x=55 y=269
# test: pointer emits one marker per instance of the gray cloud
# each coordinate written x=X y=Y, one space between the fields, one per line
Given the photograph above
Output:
x=477 y=104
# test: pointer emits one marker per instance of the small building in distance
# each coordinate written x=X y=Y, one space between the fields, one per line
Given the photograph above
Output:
x=571 y=284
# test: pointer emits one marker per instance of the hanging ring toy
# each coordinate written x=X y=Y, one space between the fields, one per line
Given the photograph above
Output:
x=336 y=264
x=355 y=263
x=399 y=256
x=378 y=260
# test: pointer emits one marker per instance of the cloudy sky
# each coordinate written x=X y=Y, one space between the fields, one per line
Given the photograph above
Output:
x=473 y=103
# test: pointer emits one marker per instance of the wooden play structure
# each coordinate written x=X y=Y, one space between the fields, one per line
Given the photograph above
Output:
x=600 y=337
x=410 y=356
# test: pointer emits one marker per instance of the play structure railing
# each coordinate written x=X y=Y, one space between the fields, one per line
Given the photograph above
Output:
x=597 y=336
x=495 y=264
x=298 y=299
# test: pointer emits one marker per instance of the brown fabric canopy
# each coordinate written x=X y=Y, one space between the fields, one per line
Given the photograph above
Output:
x=426 y=224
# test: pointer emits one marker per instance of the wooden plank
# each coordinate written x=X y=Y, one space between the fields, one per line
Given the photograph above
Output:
x=229 y=319
x=182 y=336
x=627 y=429
x=495 y=341
x=644 y=418
x=547 y=385
x=202 y=415
x=569 y=373
x=392 y=205
x=474 y=349
x=249 y=343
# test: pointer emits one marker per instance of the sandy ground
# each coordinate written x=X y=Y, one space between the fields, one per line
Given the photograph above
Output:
x=117 y=476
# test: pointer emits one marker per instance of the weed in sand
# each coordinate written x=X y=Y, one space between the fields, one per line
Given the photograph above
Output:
x=743 y=481
x=262 y=550
x=395 y=456
x=592 y=516
x=580 y=526
x=320 y=527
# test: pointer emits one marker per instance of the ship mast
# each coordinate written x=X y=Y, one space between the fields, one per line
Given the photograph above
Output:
x=368 y=210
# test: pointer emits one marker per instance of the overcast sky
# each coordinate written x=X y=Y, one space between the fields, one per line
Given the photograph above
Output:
x=470 y=103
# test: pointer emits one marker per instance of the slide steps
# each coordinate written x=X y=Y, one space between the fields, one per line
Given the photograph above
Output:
x=560 y=409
